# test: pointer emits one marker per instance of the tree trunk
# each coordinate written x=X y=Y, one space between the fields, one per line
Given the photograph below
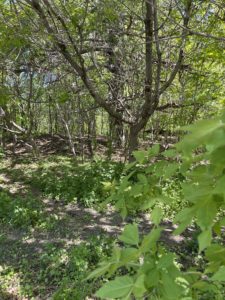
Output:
x=70 y=140
x=133 y=141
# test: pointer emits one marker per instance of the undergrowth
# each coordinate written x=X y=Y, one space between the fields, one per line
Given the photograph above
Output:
x=20 y=211
x=58 y=271
x=66 y=181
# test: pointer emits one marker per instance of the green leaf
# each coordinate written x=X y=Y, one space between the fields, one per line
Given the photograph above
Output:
x=171 y=290
x=206 y=213
x=102 y=269
x=139 y=286
x=127 y=297
x=121 y=206
x=116 y=253
x=150 y=239
x=222 y=221
x=120 y=287
x=217 y=228
x=220 y=186
x=108 y=266
x=184 y=217
x=219 y=275
x=130 y=235
x=166 y=260
x=170 y=170
x=181 y=227
x=107 y=185
x=149 y=203
x=154 y=150
x=130 y=166
x=204 y=239
x=200 y=285
x=215 y=140
x=218 y=157
x=140 y=156
x=201 y=132
x=152 y=278
x=129 y=254
x=215 y=253
x=142 y=178
x=170 y=153
x=156 y=215
x=159 y=166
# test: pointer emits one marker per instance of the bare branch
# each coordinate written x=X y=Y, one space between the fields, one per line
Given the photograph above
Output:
x=180 y=56
x=79 y=69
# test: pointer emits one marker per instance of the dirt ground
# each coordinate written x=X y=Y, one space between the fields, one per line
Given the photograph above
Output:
x=69 y=225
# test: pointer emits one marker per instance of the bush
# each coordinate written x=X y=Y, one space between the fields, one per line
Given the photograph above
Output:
x=199 y=159
x=19 y=211
x=82 y=259
x=84 y=183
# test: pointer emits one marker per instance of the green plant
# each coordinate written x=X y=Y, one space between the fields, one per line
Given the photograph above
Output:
x=20 y=211
x=200 y=159
x=81 y=183
x=82 y=259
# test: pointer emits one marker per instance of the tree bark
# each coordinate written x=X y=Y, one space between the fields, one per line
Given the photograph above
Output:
x=133 y=141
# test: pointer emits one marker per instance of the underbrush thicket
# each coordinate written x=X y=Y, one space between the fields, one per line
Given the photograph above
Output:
x=58 y=271
x=68 y=182
x=20 y=211
x=153 y=272
x=185 y=185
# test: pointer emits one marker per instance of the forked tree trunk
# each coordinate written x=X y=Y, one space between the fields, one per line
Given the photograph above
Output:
x=153 y=86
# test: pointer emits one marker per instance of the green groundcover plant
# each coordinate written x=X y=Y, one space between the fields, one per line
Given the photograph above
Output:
x=79 y=183
x=146 y=269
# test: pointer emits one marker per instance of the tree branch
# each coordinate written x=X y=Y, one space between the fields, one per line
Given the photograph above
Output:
x=79 y=69
x=174 y=105
x=177 y=67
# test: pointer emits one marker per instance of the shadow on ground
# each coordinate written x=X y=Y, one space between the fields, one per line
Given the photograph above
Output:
x=32 y=257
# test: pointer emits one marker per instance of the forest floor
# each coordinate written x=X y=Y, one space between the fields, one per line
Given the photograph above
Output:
x=46 y=240
x=56 y=144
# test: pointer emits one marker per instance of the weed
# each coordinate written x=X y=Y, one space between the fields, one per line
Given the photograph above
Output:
x=19 y=211
x=80 y=183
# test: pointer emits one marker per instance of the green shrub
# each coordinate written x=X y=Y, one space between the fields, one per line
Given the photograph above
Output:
x=199 y=159
x=84 y=183
x=19 y=211
x=82 y=259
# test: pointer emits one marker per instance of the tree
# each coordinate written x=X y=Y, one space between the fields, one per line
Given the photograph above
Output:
x=127 y=60
x=72 y=49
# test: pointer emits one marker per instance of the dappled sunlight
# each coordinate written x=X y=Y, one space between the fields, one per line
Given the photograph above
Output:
x=59 y=226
